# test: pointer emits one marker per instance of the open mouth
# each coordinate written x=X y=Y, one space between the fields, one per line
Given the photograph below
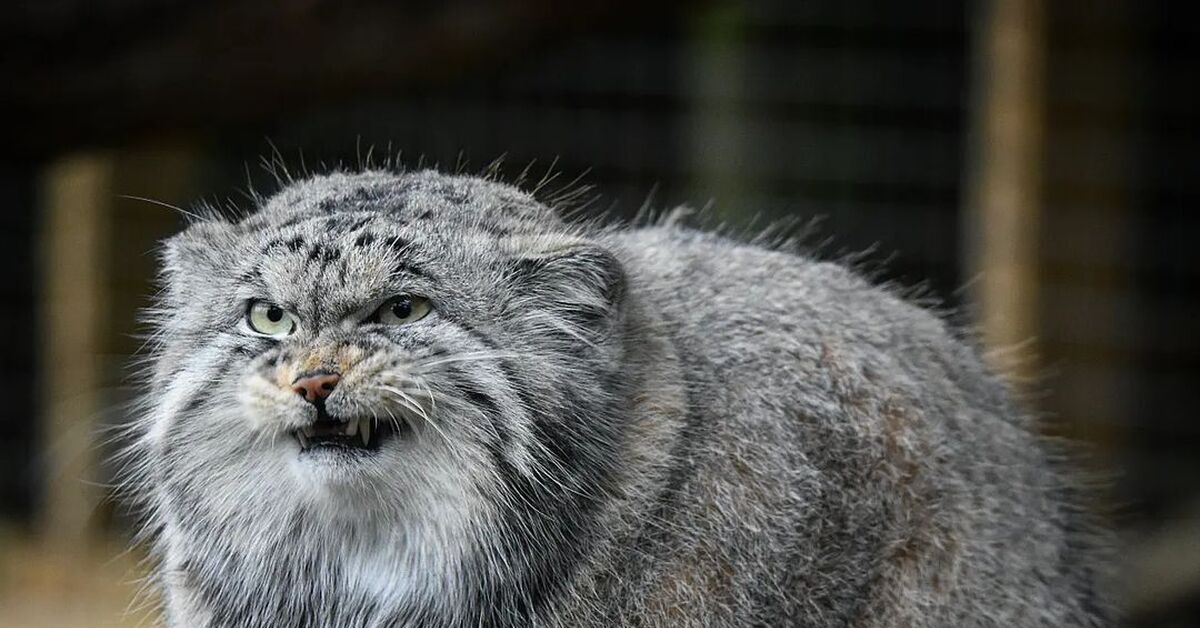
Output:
x=356 y=435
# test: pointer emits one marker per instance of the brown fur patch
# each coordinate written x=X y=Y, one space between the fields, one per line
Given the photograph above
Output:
x=338 y=358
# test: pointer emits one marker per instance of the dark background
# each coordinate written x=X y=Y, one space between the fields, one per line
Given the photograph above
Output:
x=869 y=116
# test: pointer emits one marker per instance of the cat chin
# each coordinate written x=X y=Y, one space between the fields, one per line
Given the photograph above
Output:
x=320 y=470
x=356 y=484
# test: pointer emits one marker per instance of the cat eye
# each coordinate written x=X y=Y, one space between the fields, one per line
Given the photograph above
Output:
x=401 y=310
x=268 y=319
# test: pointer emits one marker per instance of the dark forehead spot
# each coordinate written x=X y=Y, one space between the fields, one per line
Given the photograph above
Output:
x=251 y=276
x=345 y=224
x=295 y=244
x=408 y=268
x=364 y=239
x=325 y=254
x=272 y=244
x=327 y=205
x=399 y=244
x=358 y=224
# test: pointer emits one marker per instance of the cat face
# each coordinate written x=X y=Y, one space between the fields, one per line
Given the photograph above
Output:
x=383 y=353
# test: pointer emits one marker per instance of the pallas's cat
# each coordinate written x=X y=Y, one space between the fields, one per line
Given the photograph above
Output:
x=416 y=399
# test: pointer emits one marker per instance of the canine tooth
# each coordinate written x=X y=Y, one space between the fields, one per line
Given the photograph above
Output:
x=365 y=432
x=351 y=428
x=303 y=441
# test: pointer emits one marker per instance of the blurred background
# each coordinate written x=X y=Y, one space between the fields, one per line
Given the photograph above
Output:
x=1033 y=164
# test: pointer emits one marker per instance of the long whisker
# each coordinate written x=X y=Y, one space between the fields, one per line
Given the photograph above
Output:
x=396 y=422
x=467 y=357
x=192 y=215
x=408 y=400
x=449 y=443
x=410 y=391
x=429 y=393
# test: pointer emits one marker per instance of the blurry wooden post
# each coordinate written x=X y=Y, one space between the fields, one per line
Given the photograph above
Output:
x=96 y=263
x=97 y=268
x=77 y=193
x=1003 y=188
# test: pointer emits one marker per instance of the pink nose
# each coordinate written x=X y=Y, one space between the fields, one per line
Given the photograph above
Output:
x=315 y=386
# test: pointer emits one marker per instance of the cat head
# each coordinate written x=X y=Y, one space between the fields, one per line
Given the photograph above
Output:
x=413 y=353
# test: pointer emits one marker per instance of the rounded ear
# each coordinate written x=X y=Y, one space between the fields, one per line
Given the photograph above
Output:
x=578 y=281
x=197 y=247
x=188 y=259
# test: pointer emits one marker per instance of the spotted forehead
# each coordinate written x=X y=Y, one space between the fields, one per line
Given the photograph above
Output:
x=421 y=196
x=336 y=241
x=331 y=264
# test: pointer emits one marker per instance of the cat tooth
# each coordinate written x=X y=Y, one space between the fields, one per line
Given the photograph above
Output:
x=303 y=440
x=351 y=428
x=365 y=431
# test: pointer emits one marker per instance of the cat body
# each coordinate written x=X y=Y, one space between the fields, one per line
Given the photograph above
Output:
x=585 y=426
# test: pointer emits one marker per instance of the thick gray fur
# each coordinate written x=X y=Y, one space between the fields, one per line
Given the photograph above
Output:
x=611 y=426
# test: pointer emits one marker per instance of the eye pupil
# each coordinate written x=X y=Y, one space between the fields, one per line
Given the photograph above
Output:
x=274 y=314
x=402 y=308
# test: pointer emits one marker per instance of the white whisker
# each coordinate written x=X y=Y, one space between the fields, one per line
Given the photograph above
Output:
x=466 y=357
x=410 y=402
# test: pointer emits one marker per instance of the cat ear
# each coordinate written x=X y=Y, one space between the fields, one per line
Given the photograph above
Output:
x=576 y=279
x=202 y=251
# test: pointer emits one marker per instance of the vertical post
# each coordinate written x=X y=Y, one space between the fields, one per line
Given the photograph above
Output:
x=1004 y=204
x=77 y=193
x=95 y=272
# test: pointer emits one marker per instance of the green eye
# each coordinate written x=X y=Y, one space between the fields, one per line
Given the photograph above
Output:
x=269 y=319
x=402 y=310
